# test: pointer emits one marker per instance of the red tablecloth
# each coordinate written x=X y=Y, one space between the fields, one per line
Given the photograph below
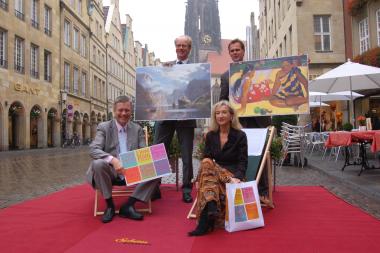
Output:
x=343 y=138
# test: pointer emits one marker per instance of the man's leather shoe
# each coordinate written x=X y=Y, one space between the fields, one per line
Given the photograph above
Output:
x=186 y=197
x=128 y=211
x=156 y=195
x=108 y=215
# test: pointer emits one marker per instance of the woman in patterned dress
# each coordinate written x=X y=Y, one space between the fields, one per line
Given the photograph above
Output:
x=225 y=161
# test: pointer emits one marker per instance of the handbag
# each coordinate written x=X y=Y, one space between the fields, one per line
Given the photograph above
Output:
x=243 y=209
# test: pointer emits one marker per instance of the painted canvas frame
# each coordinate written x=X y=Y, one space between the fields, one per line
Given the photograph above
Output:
x=270 y=87
x=177 y=92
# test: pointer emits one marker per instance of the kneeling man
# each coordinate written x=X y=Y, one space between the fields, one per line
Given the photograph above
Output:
x=114 y=137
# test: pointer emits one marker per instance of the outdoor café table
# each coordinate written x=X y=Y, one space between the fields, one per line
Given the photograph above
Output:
x=345 y=139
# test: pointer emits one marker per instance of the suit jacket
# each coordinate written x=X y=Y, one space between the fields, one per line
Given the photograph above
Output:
x=178 y=123
x=224 y=86
x=106 y=141
x=234 y=154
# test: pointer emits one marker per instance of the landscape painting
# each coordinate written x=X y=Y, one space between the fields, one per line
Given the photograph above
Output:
x=177 y=92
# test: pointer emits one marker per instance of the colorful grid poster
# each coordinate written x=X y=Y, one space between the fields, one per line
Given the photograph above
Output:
x=145 y=164
x=245 y=205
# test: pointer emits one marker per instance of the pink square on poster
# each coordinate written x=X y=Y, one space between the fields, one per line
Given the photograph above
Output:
x=248 y=195
x=158 y=152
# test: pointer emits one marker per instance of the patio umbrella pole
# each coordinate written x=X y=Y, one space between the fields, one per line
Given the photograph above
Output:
x=320 y=114
x=352 y=105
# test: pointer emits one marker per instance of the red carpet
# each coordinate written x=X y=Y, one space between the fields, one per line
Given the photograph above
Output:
x=306 y=219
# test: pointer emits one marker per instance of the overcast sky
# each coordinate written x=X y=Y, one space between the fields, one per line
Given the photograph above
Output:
x=158 y=22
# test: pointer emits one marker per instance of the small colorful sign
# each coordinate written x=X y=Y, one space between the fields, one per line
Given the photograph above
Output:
x=145 y=164
x=245 y=205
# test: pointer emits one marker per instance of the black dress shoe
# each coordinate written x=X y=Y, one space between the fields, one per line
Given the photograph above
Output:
x=108 y=215
x=128 y=211
x=156 y=195
x=186 y=197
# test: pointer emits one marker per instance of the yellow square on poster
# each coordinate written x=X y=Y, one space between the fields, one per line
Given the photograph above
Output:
x=252 y=211
x=239 y=197
x=143 y=156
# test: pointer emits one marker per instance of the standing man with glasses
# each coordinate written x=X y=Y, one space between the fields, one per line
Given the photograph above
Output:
x=164 y=130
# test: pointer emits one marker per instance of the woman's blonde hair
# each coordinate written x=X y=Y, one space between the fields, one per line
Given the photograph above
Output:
x=234 y=122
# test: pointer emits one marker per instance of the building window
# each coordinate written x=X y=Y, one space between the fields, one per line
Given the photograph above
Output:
x=83 y=48
x=378 y=26
x=66 y=30
x=66 y=76
x=19 y=55
x=103 y=61
x=84 y=84
x=19 y=9
x=3 y=48
x=34 y=61
x=47 y=19
x=94 y=54
x=79 y=7
x=4 y=4
x=322 y=35
x=76 y=80
x=95 y=87
x=34 y=14
x=363 y=35
x=76 y=39
x=47 y=66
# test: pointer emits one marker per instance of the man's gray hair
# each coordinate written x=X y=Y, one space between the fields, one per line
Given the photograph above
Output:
x=121 y=99
x=188 y=39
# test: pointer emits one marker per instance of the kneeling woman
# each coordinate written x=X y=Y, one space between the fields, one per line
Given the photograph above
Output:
x=226 y=159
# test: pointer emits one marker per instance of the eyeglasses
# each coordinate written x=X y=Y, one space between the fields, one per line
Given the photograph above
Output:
x=181 y=46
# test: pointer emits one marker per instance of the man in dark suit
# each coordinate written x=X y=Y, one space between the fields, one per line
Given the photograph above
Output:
x=114 y=137
x=236 y=49
x=164 y=130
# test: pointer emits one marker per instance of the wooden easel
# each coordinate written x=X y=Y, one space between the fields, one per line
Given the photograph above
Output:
x=266 y=160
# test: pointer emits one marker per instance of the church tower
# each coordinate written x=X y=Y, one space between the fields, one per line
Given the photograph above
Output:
x=202 y=24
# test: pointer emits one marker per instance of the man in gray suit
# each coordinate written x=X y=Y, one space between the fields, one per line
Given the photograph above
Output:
x=112 y=138
x=164 y=130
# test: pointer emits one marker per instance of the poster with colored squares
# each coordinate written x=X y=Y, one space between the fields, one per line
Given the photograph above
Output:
x=245 y=205
x=145 y=164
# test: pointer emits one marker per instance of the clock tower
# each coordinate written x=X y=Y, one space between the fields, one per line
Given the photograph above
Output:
x=202 y=24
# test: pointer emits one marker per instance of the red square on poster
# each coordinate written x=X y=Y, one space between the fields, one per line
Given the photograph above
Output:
x=132 y=175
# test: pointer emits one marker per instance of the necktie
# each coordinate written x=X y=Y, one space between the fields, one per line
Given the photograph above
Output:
x=122 y=141
x=180 y=62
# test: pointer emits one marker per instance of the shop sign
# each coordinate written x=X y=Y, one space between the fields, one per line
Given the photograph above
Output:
x=26 y=89
x=70 y=110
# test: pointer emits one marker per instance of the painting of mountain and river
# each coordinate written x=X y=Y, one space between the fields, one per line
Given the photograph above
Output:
x=174 y=92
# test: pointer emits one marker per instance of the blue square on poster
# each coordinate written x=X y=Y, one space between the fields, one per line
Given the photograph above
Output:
x=162 y=167
x=128 y=159
x=240 y=214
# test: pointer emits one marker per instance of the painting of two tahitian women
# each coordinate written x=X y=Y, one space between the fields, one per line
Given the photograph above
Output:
x=257 y=88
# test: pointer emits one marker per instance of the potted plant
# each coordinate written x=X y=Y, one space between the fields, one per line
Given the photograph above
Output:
x=200 y=147
x=347 y=126
x=361 y=120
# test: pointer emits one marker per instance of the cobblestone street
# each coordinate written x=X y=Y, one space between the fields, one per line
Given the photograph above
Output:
x=29 y=174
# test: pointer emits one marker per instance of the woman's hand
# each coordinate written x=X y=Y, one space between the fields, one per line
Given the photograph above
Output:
x=235 y=180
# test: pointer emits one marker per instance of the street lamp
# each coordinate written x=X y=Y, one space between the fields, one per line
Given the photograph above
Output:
x=62 y=103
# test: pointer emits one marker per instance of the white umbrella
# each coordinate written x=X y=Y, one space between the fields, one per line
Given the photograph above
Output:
x=317 y=104
x=336 y=96
x=347 y=77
